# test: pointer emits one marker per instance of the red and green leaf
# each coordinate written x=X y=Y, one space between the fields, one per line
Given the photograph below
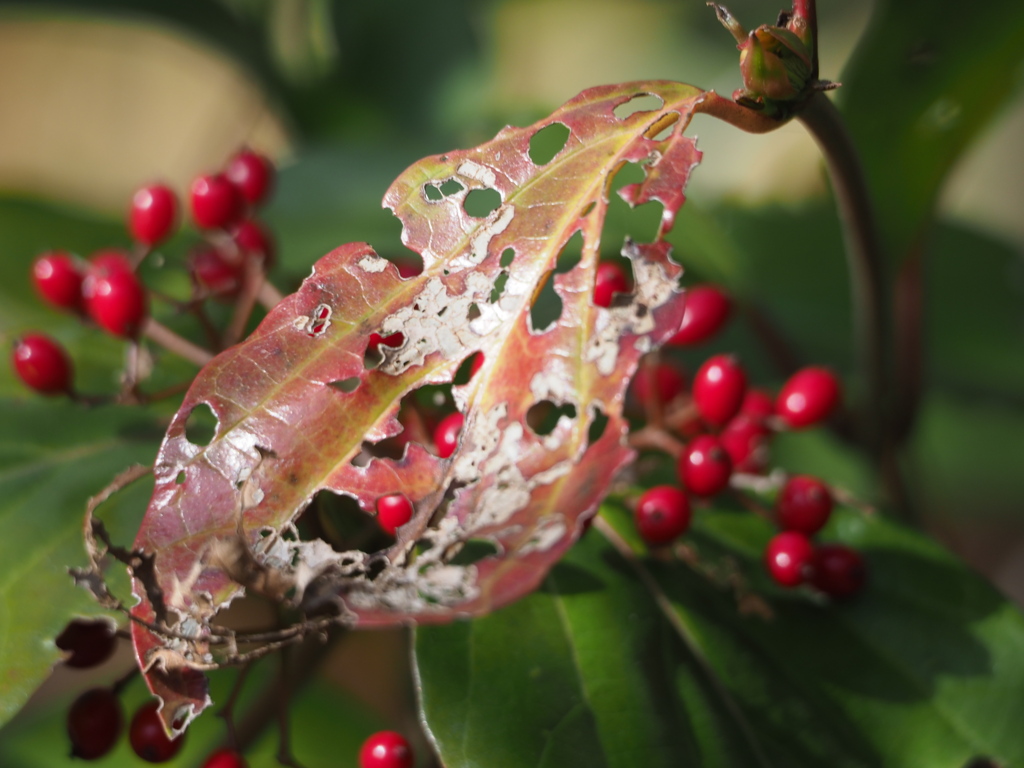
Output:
x=295 y=402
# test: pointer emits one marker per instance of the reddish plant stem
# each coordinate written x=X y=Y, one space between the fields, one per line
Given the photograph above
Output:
x=908 y=313
x=268 y=295
x=165 y=337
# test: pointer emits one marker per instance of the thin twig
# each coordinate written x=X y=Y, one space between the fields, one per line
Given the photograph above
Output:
x=658 y=439
x=252 y=279
x=165 y=337
x=227 y=712
x=269 y=296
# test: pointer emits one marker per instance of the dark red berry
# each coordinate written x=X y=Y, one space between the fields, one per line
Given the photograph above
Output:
x=838 y=570
x=148 y=738
x=42 y=364
x=718 y=389
x=88 y=643
x=386 y=749
x=153 y=214
x=746 y=441
x=610 y=279
x=788 y=558
x=669 y=381
x=94 y=723
x=704 y=467
x=225 y=758
x=116 y=301
x=808 y=397
x=446 y=434
x=255 y=240
x=804 y=504
x=252 y=174
x=58 y=279
x=214 y=271
x=757 y=404
x=393 y=511
x=662 y=514
x=215 y=202
x=706 y=311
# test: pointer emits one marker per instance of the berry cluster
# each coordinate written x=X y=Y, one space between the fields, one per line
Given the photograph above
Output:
x=106 y=289
x=721 y=427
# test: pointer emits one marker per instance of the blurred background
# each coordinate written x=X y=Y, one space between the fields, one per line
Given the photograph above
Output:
x=100 y=96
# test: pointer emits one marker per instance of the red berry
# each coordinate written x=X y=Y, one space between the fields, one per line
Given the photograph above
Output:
x=706 y=311
x=108 y=260
x=446 y=434
x=215 y=202
x=88 y=643
x=386 y=749
x=94 y=723
x=705 y=466
x=214 y=272
x=153 y=214
x=610 y=279
x=116 y=301
x=148 y=738
x=757 y=404
x=42 y=364
x=252 y=174
x=788 y=558
x=718 y=389
x=668 y=382
x=476 y=363
x=746 y=441
x=254 y=239
x=58 y=279
x=662 y=514
x=838 y=570
x=808 y=397
x=804 y=504
x=225 y=758
x=393 y=511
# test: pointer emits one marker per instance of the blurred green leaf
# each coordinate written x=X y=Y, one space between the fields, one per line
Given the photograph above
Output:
x=924 y=81
x=924 y=668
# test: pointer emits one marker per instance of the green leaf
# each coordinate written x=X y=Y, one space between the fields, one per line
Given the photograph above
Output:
x=658 y=665
x=926 y=78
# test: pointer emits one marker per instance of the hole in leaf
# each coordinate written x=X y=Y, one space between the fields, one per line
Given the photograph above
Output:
x=546 y=307
x=339 y=520
x=468 y=368
x=590 y=206
x=348 y=385
x=642 y=102
x=548 y=142
x=479 y=203
x=473 y=313
x=408 y=263
x=662 y=129
x=543 y=417
x=201 y=425
x=373 y=356
x=640 y=223
x=180 y=478
x=451 y=187
x=432 y=193
x=499 y=286
x=570 y=254
x=507 y=256
x=473 y=551
x=597 y=425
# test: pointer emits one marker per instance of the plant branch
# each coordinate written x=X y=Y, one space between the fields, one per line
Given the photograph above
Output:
x=165 y=337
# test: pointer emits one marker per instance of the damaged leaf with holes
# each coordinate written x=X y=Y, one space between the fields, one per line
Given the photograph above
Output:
x=302 y=405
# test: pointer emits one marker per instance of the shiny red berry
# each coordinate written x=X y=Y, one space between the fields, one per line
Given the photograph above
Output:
x=446 y=434
x=148 y=738
x=254 y=239
x=42 y=364
x=705 y=467
x=757 y=404
x=88 y=643
x=808 y=397
x=707 y=309
x=393 y=511
x=94 y=723
x=252 y=174
x=804 y=504
x=718 y=389
x=225 y=758
x=153 y=214
x=386 y=749
x=746 y=441
x=214 y=271
x=662 y=514
x=610 y=279
x=215 y=202
x=788 y=558
x=669 y=381
x=116 y=301
x=58 y=279
x=838 y=570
